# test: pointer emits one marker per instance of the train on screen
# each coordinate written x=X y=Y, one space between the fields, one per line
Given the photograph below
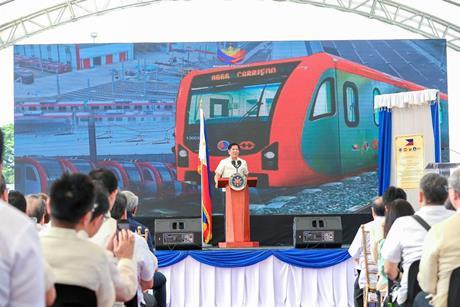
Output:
x=148 y=180
x=298 y=121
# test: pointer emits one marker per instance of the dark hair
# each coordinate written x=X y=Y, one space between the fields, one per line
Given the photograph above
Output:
x=434 y=188
x=1 y=146
x=107 y=177
x=37 y=211
x=393 y=193
x=448 y=205
x=17 y=200
x=233 y=144
x=396 y=209
x=101 y=203
x=71 y=197
x=378 y=206
x=2 y=184
x=119 y=207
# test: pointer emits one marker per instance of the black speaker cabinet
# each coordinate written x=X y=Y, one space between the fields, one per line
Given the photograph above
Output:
x=317 y=231
x=172 y=233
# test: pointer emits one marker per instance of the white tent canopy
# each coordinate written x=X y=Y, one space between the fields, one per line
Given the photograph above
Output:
x=405 y=99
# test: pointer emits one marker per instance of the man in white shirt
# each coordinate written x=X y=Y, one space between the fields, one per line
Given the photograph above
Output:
x=109 y=181
x=22 y=279
x=36 y=210
x=76 y=261
x=405 y=238
x=356 y=248
x=147 y=263
x=231 y=164
x=441 y=253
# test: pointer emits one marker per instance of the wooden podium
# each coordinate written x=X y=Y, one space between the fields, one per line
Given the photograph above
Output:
x=237 y=226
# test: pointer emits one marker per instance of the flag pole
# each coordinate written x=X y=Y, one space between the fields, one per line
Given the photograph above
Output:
x=206 y=202
x=201 y=180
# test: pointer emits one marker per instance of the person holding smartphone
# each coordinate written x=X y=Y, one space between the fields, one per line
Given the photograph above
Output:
x=146 y=261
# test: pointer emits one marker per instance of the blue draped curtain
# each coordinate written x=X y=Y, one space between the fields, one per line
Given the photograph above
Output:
x=384 y=158
x=436 y=127
x=304 y=258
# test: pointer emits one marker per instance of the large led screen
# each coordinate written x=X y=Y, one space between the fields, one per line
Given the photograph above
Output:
x=301 y=111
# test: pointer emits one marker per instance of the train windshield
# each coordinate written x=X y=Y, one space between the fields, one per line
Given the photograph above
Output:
x=252 y=102
x=238 y=106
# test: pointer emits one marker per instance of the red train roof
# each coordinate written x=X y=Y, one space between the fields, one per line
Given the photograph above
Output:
x=341 y=64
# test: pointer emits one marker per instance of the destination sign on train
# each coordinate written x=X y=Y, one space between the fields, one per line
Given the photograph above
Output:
x=231 y=74
x=245 y=73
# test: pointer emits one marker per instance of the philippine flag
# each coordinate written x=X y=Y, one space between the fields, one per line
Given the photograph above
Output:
x=206 y=204
x=230 y=55
x=409 y=142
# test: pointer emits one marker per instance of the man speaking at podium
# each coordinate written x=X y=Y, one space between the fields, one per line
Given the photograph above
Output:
x=231 y=165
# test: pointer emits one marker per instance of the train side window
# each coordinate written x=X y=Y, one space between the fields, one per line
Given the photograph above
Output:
x=147 y=175
x=324 y=104
x=350 y=104
x=375 y=92
x=30 y=174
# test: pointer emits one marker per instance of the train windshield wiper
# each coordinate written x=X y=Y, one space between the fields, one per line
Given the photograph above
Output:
x=257 y=105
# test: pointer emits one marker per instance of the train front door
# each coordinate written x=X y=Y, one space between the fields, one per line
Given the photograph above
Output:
x=358 y=131
x=320 y=137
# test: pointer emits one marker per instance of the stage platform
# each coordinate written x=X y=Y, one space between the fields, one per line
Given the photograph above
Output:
x=258 y=277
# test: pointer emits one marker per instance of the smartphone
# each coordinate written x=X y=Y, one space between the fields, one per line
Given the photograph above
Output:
x=122 y=224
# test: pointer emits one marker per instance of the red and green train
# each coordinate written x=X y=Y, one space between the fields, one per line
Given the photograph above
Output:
x=299 y=121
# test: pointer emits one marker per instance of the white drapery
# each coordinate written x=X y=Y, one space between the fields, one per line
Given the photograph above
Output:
x=405 y=99
x=411 y=115
x=269 y=283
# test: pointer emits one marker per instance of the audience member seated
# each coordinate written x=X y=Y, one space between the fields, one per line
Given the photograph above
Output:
x=21 y=263
x=123 y=268
x=356 y=248
x=159 y=280
x=132 y=204
x=403 y=244
x=396 y=209
x=76 y=261
x=146 y=261
x=46 y=200
x=17 y=200
x=36 y=210
x=441 y=253
x=20 y=202
x=391 y=194
x=110 y=183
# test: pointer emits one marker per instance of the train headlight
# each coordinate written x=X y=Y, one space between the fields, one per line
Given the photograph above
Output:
x=183 y=153
x=270 y=157
x=182 y=156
